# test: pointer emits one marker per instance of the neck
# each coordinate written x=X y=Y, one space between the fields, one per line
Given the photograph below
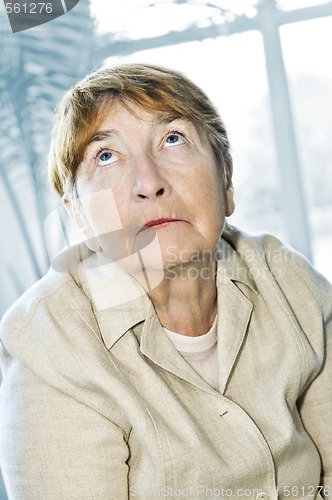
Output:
x=186 y=300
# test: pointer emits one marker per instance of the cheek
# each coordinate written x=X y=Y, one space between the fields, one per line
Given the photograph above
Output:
x=208 y=189
x=217 y=189
x=108 y=217
x=210 y=207
x=101 y=211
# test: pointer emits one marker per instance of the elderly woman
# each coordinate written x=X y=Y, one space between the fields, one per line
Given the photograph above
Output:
x=169 y=354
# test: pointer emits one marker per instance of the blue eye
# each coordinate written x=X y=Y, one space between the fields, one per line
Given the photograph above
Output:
x=174 y=139
x=105 y=157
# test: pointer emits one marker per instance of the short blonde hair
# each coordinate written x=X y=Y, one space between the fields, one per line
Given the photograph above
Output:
x=151 y=87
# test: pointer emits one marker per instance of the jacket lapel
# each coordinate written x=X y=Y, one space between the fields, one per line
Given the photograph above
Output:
x=234 y=311
x=234 y=308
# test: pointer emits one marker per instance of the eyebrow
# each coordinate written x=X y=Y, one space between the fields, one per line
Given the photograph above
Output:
x=165 y=119
x=102 y=134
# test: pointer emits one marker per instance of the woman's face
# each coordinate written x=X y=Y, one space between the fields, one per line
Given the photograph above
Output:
x=148 y=183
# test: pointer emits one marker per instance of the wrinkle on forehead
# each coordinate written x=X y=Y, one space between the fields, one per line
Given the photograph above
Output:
x=109 y=106
x=157 y=120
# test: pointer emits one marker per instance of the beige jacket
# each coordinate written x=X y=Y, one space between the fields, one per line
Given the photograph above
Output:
x=100 y=405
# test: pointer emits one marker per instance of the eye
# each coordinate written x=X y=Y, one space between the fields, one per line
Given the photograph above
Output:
x=105 y=157
x=174 y=138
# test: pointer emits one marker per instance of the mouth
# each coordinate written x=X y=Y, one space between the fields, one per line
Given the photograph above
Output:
x=157 y=223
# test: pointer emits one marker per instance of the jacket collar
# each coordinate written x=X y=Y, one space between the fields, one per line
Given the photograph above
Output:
x=119 y=302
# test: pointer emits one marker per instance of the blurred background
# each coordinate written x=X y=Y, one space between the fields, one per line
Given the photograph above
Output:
x=265 y=63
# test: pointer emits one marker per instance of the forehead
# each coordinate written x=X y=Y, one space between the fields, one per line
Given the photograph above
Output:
x=115 y=118
x=130 y=114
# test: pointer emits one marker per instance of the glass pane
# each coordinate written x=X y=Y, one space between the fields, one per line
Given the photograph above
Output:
x=148 y=19
x=298 y=4
x=306 y=48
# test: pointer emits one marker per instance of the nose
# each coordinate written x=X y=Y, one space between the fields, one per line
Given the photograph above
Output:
x=150 y=182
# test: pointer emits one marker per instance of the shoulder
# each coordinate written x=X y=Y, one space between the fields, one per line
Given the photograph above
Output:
x=48 y=293
x=58 y=290
x=50 y=339
x=47 y=315
x=277 y=256
x=263 y=246
x=288 y=271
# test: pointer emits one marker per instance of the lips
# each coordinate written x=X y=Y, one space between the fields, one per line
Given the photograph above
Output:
x=158 y=222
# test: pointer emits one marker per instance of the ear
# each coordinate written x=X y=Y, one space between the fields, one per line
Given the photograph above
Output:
x=229 y=200
x=73 y=210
